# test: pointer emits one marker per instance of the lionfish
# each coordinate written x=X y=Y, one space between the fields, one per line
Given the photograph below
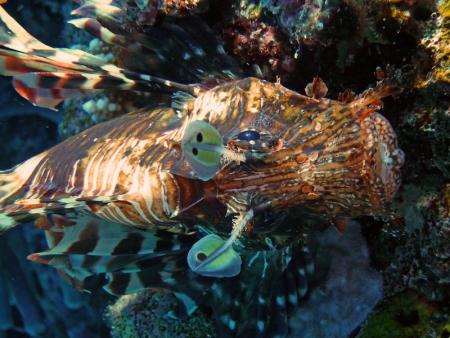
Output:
x=195 y=195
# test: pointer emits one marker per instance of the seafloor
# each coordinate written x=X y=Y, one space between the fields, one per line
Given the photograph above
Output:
x=401 y=264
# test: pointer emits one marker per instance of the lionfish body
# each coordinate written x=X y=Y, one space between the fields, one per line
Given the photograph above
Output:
x=112 y=170
x=335 y=159
x=124 y=199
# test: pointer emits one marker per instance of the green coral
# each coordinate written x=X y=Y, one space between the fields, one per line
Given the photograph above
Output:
x=144 y=315
x=406 y=315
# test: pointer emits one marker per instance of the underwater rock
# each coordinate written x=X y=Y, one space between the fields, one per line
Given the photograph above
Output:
x=346 y=290
x=413 y=252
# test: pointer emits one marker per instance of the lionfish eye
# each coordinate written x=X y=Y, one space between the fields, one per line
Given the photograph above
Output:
x=249 y=135
x=201 y=256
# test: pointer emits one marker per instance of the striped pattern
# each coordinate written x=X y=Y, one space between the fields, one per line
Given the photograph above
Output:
x=91 y=247
x=198 y=59
x=46 y=76
x=343 y=158
x=335 y=159
x=124 y=260
x=93 y=191
x=119 y=171
x=271 y=287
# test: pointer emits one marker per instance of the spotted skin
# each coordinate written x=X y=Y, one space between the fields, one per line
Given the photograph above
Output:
x=121 y=207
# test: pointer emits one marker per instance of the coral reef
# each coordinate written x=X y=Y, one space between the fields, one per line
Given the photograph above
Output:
x=413 y=252
x=342 y=41
x=256 y=43
x=148 y=12
x=436 y=38
x=302 y=20
x=146 y=314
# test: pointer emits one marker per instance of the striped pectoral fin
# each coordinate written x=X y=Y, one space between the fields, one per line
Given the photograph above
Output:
x=46 y=76
x=16 y=214
x=68 y=84
x=99 y=9
x=92 y=246
x=89 y=235
x=169 y=272
x=155 y=272
x=96 y=29
x=263 y=299
x=15 y=37
x=14 y=63
x=47 y=97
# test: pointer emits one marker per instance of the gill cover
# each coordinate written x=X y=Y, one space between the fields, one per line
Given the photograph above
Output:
x=201 y=258
x=202 y=147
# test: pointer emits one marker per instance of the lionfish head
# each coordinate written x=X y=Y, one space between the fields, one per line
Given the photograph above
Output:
x=336 y=158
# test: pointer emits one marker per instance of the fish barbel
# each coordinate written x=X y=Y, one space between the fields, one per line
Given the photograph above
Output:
x=183 y=192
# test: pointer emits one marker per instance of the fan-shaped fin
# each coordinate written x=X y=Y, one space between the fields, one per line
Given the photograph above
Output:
x=192 y=54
